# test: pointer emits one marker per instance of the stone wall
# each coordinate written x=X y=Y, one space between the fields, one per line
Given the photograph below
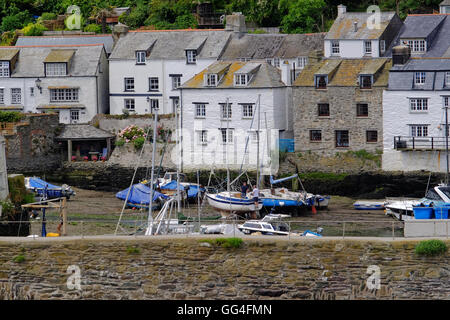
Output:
x=164 y=268
x=32 y=147
x=342 y=101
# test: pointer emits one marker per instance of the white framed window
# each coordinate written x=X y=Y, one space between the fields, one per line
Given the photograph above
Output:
x=4 y=69
x=140 y=57
x=202 y=137
x=153 y=84
x=419 y=130
x=16 y=96
x=302 y=62
x=211 y=79
x=200 y=110
x=176 y=82
x=276 y=62
x=191 y=56
x=247 y=111
x=129 y=84
x=240 y=79
x=446 y=101
x=382 y=46
x=129 y=104
x=419 y=78
x=74 y=115
x=416 y=45
x=154 y=104
x=447 y=79
x=254 y=136
x=55 y=69
x=418 y=104
x=335 y=47
x=227 y=138
x=225 y=111
x=2 y=96
x=61 y=95
x=367 y=47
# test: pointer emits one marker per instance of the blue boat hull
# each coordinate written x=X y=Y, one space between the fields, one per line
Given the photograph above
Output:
x=268 y=202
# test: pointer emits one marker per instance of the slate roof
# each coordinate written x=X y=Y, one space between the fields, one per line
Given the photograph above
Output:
x=105 y=39
x=266 y=76
x=267 y=46
x=420 y=26
x=445 y=3
x=31 y=60
x=8 y=54
x=83 y=132
x=171 y=44
x=343 y=26
x=346 y=71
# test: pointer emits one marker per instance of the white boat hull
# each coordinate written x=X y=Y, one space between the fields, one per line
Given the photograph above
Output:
x=226 y=201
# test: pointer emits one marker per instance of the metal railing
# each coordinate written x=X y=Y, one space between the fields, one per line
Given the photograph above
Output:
x=81 y=228
x=419 y=143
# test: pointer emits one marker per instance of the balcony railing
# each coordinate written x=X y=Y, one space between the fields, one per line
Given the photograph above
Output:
x=419 y=143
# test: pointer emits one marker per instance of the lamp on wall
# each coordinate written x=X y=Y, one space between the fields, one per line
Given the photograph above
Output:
x=38 y=84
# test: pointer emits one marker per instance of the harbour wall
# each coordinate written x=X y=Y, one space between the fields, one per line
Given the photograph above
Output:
x=174 y=268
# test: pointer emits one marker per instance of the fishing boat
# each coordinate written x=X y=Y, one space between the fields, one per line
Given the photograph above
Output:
x=39 y=187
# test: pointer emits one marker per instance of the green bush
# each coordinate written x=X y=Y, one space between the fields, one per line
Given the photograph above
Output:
x=93 y=28
x=138 y=143
x=17 y=21
x=34 y=29
x=133 y=250
x=225 y=242
x=120 y=142
x=19 y=259
x=431 y=247
x=10 y=116
x=48 y=16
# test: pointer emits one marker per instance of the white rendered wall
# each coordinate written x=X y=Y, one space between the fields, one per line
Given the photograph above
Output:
x=351 y=49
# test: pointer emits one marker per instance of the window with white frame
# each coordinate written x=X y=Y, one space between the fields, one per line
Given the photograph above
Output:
x=16 y=96
x=276 y=62
x=247 y=111
x=140 y=57
x=211 y=79
x=302 y=62
x=416 y=45
x=200 y=110
x=4 y=69
x=129 y=104
x=74 y=115
x=176 y=82
x=154 y=104
x=367 y=47
x=419 y=130
x=447 y=79
x=253 y=135
x=335 y=47
x=446 y=101
x=62 y=95
x=153 y=84
x=419 y=78
x=225 y=111
x=2 y=95
x=240 y=79
x=418 y=104
x=129 y=84
x=382 y=46
x=227 y=138
x=56 y=69
x=202 y=137
x=191 y=56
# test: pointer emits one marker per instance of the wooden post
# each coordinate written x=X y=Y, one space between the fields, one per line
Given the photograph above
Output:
x=69 y=150
x=108 y=148
x=64 y=216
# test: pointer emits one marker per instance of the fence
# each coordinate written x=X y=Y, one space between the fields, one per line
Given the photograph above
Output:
x=81 y=228
x=419 y=143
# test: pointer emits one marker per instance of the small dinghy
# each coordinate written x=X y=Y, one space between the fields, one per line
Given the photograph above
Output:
x=368 y=205
x=40 y=187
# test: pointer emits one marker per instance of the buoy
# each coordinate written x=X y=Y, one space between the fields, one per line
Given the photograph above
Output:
x=313 y=208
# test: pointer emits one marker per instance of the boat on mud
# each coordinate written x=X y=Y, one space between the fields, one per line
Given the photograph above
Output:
x=139 y=196
x=42 y=188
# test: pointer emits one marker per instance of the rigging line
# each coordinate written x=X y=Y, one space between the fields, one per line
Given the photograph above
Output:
x=246 y=142
x=131 y=185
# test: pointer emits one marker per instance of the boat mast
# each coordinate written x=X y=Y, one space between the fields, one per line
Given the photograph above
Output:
x=226 y=146
x=446 y=137
x=257 y=137
x=179 y=159
x=150 y=217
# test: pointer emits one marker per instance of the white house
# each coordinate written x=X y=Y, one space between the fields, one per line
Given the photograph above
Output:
x=444 y=6
x=417 y=94
x=219 y=114
x=357 y=35
x=71 y=80
x=147 y=67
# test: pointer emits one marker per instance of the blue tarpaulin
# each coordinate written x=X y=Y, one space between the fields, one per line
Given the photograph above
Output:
x=139 y=195
x=38 y=185
x=192 y=189
x=172 y=185
x=287 y=145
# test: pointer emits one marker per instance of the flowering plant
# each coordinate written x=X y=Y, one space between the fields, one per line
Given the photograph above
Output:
x=131 y=133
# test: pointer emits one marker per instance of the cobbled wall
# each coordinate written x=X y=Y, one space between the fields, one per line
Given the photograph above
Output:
x=161 y=268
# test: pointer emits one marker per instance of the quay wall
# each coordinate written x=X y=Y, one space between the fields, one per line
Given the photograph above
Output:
x=174 y=268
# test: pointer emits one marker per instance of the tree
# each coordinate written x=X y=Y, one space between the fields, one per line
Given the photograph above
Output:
x=301 y=16
x=101 y=12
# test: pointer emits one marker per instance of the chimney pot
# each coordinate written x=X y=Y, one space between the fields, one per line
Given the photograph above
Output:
x=341 y=9
x=355 y=25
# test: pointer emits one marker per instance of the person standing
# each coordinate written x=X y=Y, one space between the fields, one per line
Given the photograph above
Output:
x=244 y=189
x=255 y=200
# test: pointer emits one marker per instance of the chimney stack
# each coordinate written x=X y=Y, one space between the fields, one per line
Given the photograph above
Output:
x=236 y=23
x=355 y=25
x=119 y=30
x=341 y=9
x=400 y=54
x=286 y=73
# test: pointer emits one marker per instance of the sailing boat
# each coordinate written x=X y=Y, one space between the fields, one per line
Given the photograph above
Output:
x=436 y=196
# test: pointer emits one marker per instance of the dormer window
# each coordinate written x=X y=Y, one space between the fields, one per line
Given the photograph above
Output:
x=240 y=79
x=447 y=79
x=417 y=46
x=211 y=80
x=56 y=69
x=321 y=82
x=365 y=82
x=4 y=69
x=140 y=57
x=368 y=47
x=191 y=56
x=419 y=78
